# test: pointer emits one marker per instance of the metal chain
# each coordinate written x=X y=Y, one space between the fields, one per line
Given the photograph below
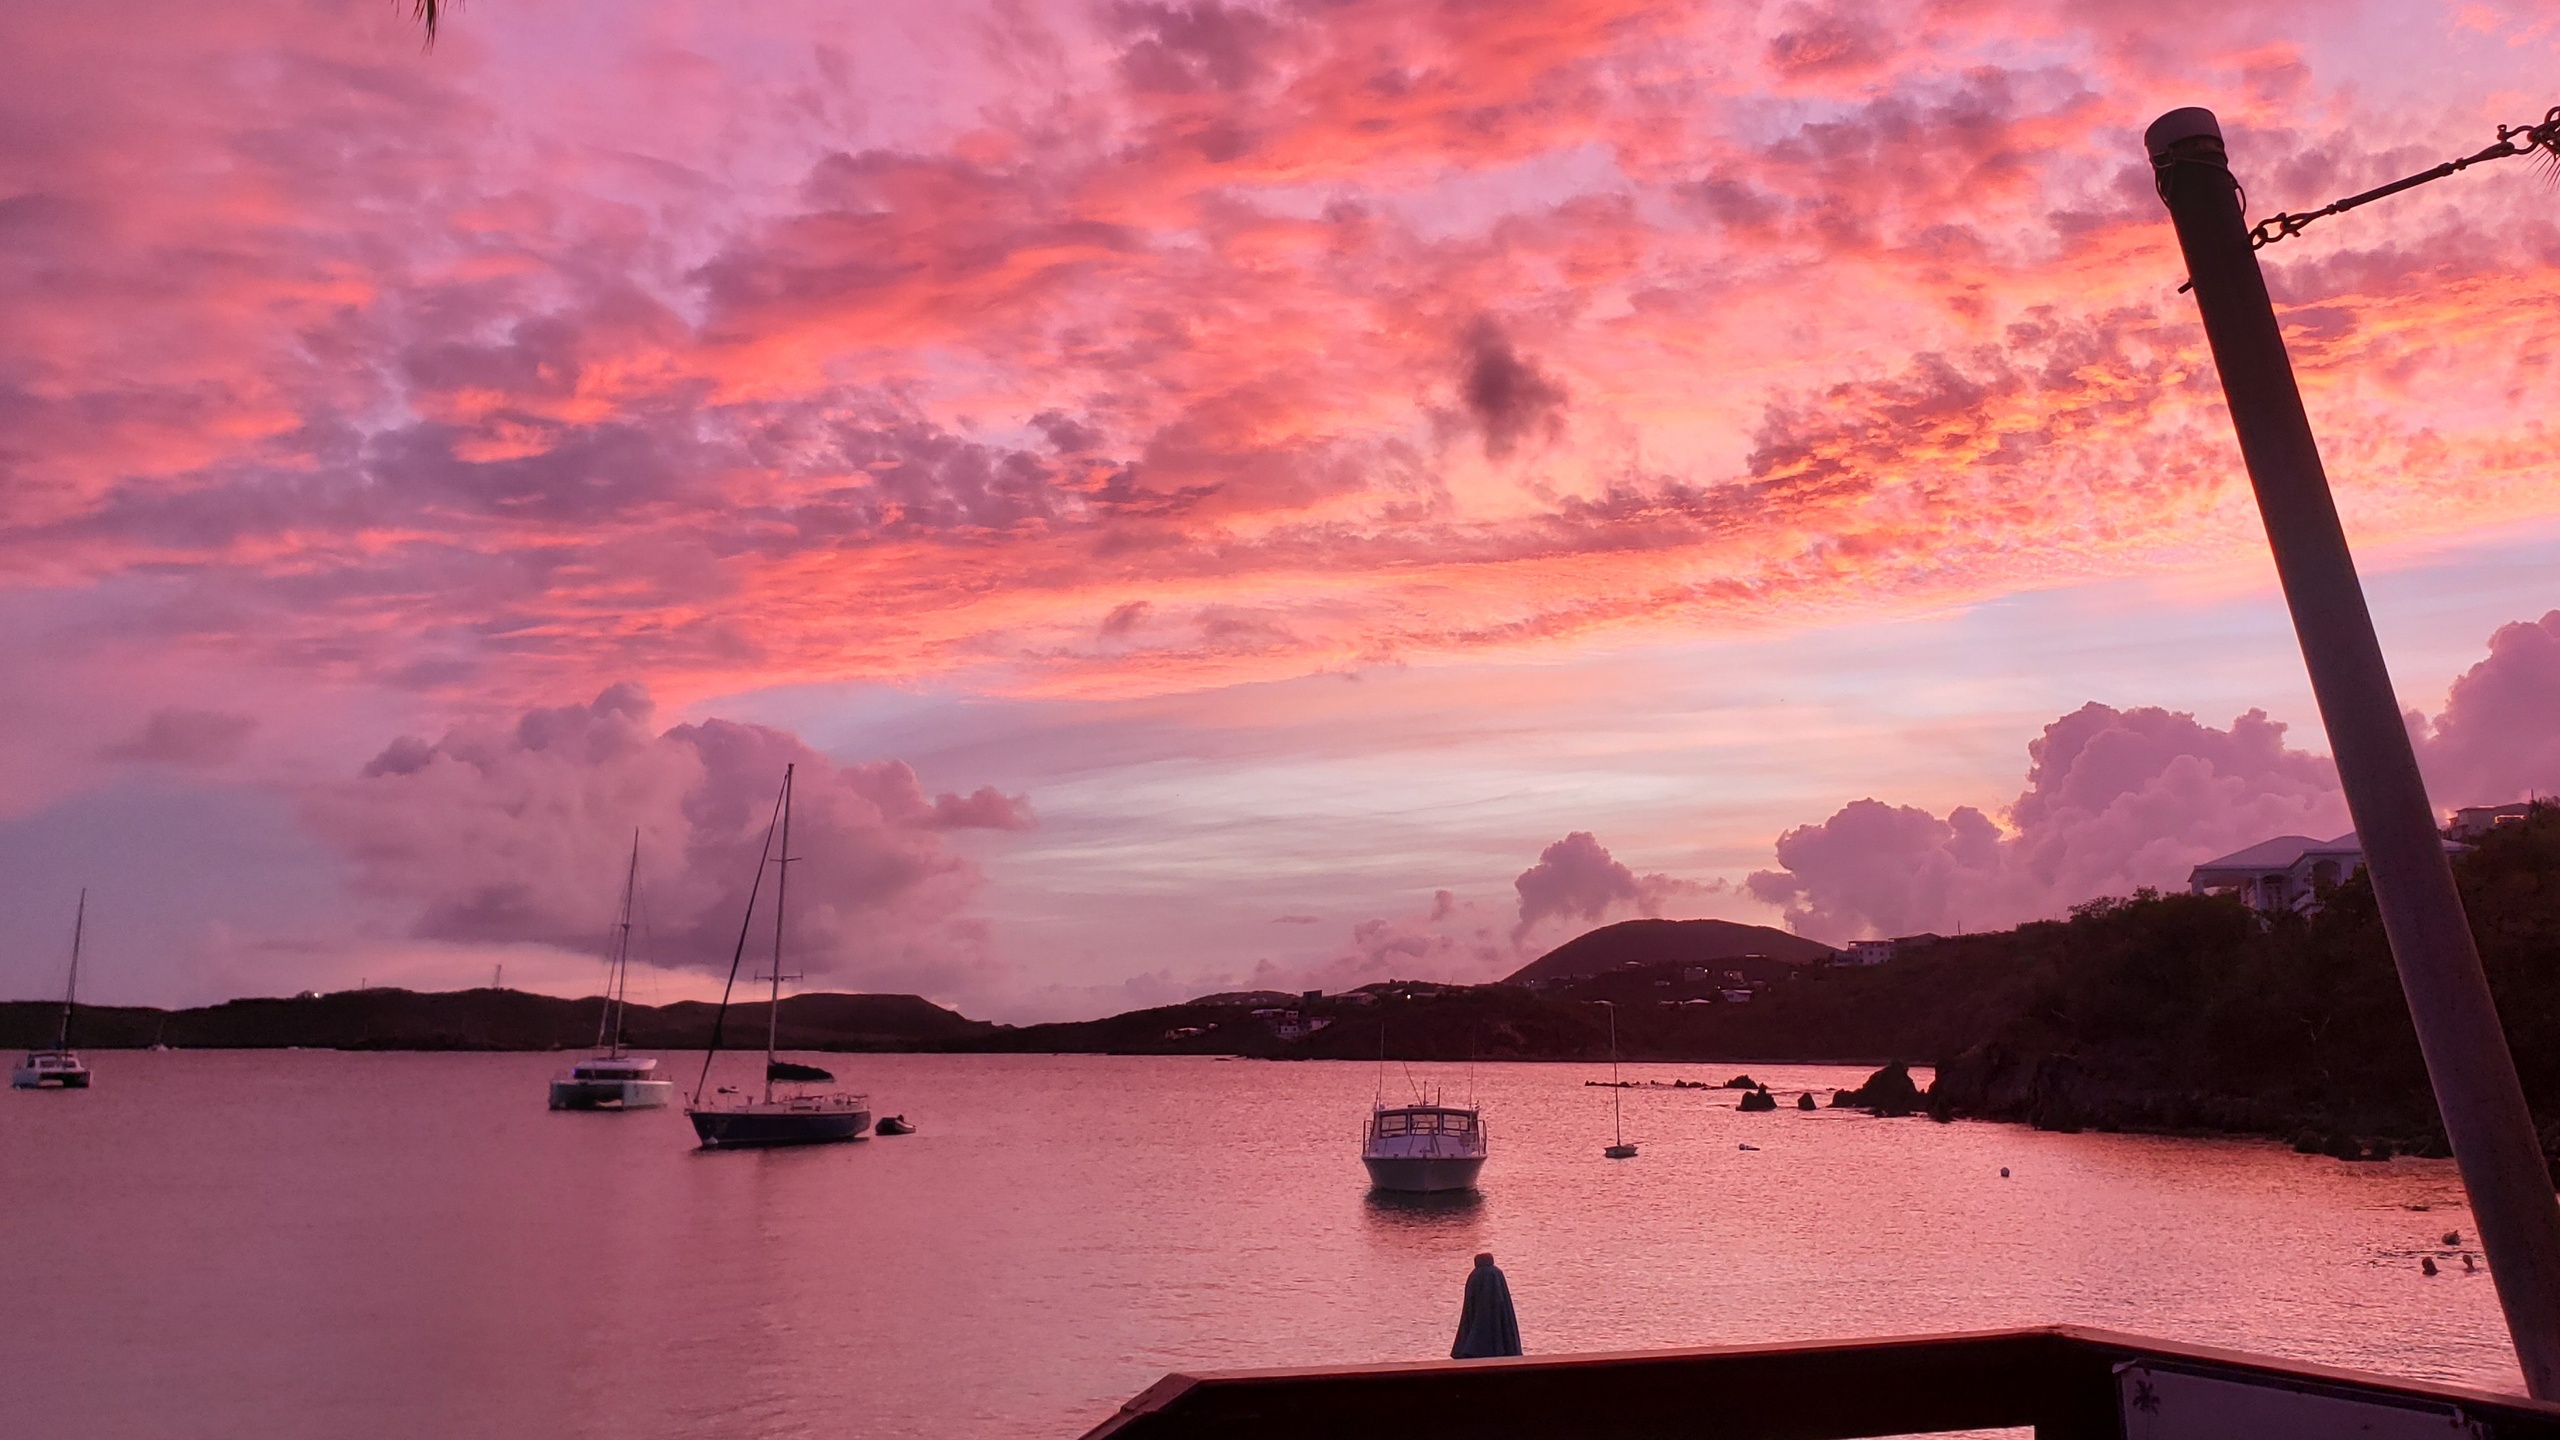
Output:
x=2542 y=139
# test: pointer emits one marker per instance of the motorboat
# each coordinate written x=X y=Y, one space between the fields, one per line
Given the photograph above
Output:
x=1424 y=1149
x=612 y=1079
x=59 y=1068
x=730 y=1118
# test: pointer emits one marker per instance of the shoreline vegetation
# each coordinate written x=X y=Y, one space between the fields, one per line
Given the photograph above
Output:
x=2161 y=1013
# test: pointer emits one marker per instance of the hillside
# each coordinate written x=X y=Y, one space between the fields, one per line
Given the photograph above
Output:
x=2157 y=1011
x=390 y=1019
x=1666 y=942
x=2173 y=1012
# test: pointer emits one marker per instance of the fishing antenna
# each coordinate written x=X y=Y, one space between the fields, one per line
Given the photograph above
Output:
x=2541 y=140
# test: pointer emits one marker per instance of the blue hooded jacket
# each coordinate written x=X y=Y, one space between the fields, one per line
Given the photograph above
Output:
x=1487 y=1325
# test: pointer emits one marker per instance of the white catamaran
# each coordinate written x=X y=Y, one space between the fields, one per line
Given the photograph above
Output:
x=728 y=1118
x=612 y=1079
x=59 y=1068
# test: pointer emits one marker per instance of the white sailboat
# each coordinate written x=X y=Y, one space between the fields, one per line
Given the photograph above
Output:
x=1619 y=1149
x=729 y=1118
x=59 y=1068
x=612 y=1079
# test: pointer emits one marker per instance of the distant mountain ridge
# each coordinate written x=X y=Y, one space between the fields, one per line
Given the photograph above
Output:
x=1658 y=942
x=384 y=1018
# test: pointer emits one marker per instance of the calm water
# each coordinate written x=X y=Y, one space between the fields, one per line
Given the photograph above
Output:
x=311 y=1244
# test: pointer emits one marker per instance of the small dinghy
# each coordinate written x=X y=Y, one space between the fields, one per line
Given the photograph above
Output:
x=893 y=1125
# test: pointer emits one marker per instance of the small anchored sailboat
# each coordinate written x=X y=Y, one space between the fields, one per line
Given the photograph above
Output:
x=729 y=1119
x=59 y=1068
x=1620 y=1149
x=612 y=1079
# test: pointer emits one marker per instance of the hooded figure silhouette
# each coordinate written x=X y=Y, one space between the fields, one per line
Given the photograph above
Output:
x=1487 y=1325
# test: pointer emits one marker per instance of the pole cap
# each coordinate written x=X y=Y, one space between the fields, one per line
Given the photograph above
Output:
x=2188 y=123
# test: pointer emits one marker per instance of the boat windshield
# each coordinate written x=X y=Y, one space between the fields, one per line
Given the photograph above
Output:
x=1424 y=1122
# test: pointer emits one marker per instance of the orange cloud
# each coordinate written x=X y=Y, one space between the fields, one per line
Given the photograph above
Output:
x=1326 y=337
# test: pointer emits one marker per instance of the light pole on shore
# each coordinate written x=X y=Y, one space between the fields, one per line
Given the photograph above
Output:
x=2477 y=1092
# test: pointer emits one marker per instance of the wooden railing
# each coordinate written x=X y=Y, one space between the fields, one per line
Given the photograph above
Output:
x=2067 y=1383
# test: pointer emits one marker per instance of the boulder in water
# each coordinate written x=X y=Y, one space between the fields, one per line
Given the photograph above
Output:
x=1805 y=1101
x=1759 y=1100
x=1889 y=1091
x=1742 y=1082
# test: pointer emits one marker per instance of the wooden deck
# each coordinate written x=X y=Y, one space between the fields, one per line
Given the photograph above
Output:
x=2066 y=1382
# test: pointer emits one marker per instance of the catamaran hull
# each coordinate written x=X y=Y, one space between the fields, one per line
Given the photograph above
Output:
x=611 y=1094
x=1423 y=1176
x=741 y=1129
x=24 y=1079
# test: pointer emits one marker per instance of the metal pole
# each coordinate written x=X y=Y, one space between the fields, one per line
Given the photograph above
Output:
x=2477 y=1092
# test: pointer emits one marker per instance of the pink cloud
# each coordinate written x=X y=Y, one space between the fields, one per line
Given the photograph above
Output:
x=2115 y=800
x=1168 y=297
x=177 y=735
x=1577 y=879
x=516 y=833
x=2498 y=738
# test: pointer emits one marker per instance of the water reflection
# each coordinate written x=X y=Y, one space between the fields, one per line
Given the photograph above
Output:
x=1441 y=1212
x=1070 y=1228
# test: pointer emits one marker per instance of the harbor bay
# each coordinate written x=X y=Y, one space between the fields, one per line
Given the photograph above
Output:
x=316 y=1243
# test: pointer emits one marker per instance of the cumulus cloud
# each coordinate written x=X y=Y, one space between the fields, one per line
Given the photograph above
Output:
x=513 y=833
x=1576 y=878
x=985 y=808
x=2499 y=736
x=2115 y=800
x=175 y=735
x=1452 y=939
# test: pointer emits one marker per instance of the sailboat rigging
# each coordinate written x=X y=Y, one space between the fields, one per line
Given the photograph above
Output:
x=1619 y=1149
x=612 y=1079
x=59 y=1068
x=725 y=1119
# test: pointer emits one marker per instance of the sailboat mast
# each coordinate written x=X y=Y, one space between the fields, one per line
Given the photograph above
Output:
x=1617 y=1122
x=71 y=988
x=618 y=977
x=738 y=956
x=781 y=884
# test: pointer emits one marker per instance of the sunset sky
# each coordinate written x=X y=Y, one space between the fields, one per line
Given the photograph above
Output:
x=1210 y=494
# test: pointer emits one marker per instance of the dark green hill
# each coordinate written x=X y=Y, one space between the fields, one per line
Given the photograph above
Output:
x=389 y=1019
x=1667 y=942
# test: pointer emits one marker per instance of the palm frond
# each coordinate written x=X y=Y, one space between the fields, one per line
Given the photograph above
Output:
x=427 y=13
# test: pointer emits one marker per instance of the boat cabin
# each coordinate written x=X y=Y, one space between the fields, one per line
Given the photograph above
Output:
x=617 y=1067
x=1423 y=1120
